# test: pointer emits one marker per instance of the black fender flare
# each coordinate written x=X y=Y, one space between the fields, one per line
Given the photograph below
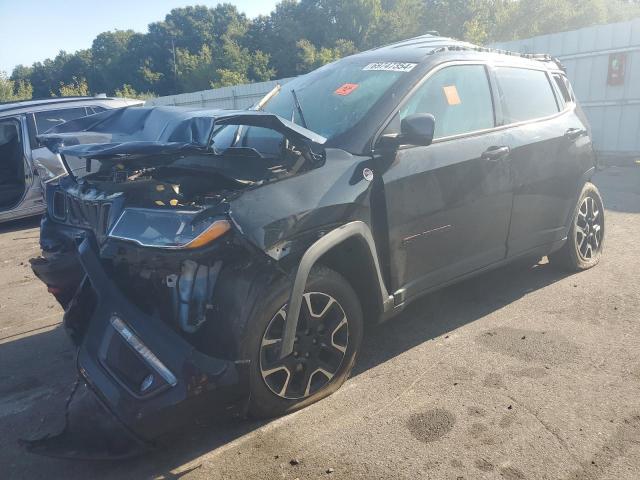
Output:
x=308 y=260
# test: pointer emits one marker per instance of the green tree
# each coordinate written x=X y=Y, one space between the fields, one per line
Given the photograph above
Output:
x=14 y=90
x=127 y=91
x=311 y=57
x=78 y=87
x=108 y=54
x=196 y=46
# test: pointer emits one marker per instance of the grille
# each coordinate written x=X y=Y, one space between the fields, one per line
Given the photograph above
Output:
x=92 y=215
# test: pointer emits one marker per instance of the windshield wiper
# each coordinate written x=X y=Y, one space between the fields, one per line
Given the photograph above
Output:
x=298 y=108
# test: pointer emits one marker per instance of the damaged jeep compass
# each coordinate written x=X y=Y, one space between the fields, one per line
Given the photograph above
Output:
x=212 y=259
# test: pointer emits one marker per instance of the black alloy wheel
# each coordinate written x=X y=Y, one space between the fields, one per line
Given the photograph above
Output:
x=320 y=346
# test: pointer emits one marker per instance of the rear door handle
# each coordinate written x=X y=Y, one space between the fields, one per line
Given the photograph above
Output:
x=494 y=154
x=575 y=133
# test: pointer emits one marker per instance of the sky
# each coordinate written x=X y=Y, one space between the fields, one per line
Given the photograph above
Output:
x=32 y=30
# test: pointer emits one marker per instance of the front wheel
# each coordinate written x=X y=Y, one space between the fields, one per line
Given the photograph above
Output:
x=327 y=340
x=585 y=241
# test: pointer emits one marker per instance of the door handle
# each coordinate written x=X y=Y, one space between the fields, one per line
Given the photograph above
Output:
x=574 y=133
x=494 y=154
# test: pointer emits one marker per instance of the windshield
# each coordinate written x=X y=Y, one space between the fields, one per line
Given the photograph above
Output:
x=332 y=100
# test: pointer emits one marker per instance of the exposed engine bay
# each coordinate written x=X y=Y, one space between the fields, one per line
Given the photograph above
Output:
x=150 y=212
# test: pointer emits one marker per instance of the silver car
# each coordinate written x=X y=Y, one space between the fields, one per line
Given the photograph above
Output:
x=25 y=166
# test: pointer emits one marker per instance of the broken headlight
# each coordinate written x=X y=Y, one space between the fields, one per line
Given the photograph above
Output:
x=174 y=229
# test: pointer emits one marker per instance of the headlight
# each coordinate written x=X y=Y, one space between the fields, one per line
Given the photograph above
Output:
x=174 y=229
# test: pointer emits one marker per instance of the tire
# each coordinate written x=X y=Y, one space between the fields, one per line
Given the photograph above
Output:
x=585 y=242
x=260 y=345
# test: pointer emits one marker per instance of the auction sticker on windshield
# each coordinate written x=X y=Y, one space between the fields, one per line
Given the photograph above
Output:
x=391 y=66
x=346 y=89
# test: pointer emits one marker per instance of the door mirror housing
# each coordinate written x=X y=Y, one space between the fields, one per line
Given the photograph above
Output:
x=418 y=129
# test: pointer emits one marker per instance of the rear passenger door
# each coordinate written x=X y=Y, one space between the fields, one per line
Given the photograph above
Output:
x=448 y=204
x=540 y=134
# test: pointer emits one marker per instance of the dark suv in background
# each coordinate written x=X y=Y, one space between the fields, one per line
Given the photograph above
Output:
x=211 y=258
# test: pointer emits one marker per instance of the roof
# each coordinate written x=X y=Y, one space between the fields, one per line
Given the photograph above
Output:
x=8 y=106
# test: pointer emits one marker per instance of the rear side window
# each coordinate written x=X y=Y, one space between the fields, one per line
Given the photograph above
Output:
x=51 y=118
x=526 y=94
x=459 y=98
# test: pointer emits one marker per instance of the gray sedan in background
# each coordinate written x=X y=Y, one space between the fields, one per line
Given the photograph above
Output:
x=26 y=166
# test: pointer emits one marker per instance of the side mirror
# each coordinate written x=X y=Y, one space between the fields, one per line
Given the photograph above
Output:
x=418 y=129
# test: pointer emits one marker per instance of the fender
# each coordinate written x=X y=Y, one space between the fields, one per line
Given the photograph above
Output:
x=310 y=257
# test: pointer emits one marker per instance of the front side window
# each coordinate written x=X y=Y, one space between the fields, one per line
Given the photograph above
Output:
x=459 y=98
x=526 y=94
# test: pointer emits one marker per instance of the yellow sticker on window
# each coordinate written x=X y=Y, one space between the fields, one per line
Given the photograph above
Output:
x=451 y=93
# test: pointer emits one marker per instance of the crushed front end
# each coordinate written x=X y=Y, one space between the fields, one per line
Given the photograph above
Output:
x=137 y=316
x=144 y=255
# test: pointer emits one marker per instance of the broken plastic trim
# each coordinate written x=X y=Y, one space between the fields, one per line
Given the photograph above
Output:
x=153 y=361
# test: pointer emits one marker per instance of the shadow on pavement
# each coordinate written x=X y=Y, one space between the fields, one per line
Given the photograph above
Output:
x=428 y=318
x=22 y=224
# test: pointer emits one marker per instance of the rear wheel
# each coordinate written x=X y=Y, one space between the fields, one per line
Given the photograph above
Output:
x=585 y=242
x=327 y=340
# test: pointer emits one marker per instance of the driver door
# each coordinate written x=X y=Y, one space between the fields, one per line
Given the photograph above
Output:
x=449 y=203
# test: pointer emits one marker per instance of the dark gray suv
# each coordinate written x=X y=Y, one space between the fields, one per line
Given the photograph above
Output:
x=208 y=258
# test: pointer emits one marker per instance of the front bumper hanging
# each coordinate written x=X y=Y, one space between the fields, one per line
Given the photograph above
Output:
x=139 y=379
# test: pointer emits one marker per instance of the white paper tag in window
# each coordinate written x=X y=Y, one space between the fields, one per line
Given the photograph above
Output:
x=391 y=66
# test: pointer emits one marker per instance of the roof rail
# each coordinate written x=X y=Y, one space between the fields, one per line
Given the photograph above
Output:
x=541 y=57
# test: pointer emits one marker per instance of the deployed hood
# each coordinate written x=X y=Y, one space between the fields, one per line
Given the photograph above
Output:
x=159 y=130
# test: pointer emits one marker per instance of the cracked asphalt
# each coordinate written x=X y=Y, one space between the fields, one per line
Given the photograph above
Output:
x=521 y=373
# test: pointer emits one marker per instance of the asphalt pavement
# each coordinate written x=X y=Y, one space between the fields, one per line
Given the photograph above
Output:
x=521 y=373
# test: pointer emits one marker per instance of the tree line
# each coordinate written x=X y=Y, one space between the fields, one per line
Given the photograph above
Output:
x=196 y=48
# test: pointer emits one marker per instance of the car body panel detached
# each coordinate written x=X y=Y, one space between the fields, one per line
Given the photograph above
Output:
x=402 y=169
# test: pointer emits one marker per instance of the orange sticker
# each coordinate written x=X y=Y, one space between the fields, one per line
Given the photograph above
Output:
x=346 y=89
x=451 y=92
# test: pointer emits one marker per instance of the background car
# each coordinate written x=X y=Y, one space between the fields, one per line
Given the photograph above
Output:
x=25 y=165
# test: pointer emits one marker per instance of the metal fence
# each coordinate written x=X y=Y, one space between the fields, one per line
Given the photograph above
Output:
x=236 y=97
x=603 y=64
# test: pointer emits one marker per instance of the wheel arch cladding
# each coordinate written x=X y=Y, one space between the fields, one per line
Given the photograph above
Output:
x=352 y=259
x=358 y=230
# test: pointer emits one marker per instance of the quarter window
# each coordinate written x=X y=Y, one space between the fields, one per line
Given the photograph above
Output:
x=563 y=87
x=526 y=94
x=459 y=97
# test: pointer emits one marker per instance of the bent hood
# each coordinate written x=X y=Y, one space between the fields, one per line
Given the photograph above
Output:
x=159 y=130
